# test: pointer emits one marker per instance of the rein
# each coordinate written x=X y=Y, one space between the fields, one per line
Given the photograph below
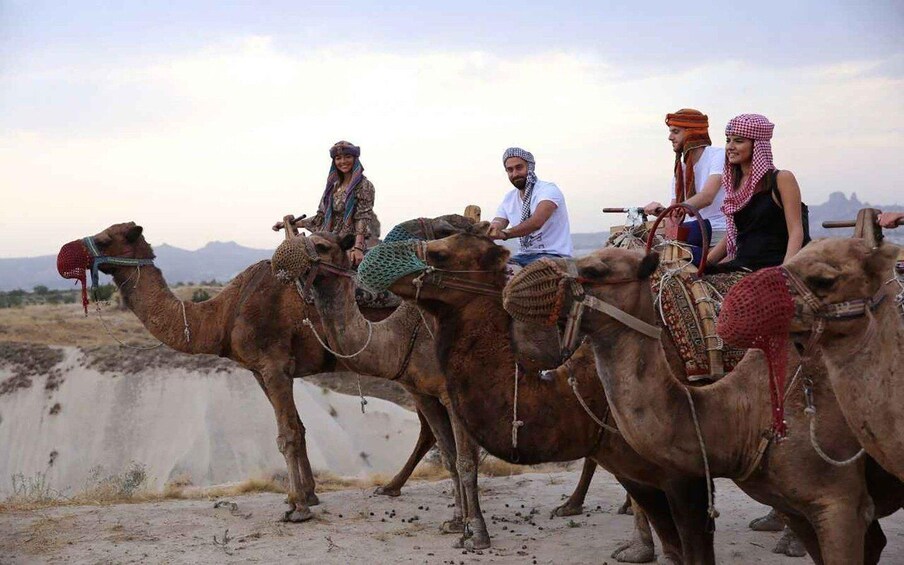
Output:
x=445 y=278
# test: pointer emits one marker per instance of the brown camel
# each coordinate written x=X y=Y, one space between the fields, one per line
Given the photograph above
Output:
x=864 y=353
x=479 y=363
x=401 y=349
x=833 y=509
x=257 y=322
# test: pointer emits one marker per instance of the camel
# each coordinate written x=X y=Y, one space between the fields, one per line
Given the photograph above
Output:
x=400 y=349
x=478 y=360
x=833 y=510
x=257 y=322
x=864 y=354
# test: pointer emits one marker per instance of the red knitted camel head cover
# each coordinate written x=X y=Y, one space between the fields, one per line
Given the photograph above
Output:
x=757 y=313
x=74 y=262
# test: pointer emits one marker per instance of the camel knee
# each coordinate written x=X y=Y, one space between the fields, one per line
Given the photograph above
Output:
x=290 y=442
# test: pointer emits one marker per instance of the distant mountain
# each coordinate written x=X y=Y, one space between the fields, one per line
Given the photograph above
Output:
x=223 y=260
x=215 y=261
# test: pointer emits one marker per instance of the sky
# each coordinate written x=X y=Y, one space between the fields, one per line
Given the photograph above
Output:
x=208 y=121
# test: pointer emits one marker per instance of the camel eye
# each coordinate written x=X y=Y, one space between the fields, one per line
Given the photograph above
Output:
x=322 y=247
x=437 y=256
x=819 y=282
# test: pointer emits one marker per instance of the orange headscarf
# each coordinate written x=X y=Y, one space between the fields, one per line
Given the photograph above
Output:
x=697 y=125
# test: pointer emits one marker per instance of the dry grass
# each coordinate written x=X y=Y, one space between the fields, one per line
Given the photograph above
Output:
x=66 y=324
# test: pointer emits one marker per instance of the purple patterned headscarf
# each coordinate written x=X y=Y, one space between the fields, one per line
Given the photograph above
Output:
x=332 y=181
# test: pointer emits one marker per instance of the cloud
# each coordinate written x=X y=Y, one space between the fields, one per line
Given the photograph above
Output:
x=217 y=143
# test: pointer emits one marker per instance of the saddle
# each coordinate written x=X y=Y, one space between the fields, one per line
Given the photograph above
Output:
x=689 y=307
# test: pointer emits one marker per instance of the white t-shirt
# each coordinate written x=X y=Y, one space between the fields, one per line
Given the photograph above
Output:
x=711 y=162
x=555 y=235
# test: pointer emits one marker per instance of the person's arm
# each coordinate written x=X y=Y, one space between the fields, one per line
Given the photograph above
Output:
x=717 y=253
x=364 y=212
x=537 y=219
x=790 y=195
x=890 y=219
x=707 y=194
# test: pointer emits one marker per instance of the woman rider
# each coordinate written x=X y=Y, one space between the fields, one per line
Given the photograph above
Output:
x=765 y=218
x=347 y=203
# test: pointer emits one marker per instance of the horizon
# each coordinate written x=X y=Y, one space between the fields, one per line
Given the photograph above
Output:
x=208 y=121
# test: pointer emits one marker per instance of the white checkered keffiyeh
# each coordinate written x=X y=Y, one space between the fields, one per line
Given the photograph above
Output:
x=759 y=129
x=528 y=187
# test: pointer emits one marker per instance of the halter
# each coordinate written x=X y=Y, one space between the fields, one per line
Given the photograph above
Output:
x=823 y=312
x=98 y=259
x=318 y=265
x=583 y=300
x=443 y=279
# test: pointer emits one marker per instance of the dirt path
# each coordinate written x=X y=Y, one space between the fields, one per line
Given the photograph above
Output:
x=353 y=526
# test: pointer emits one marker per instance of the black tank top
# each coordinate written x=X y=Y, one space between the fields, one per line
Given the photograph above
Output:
x=762 y=231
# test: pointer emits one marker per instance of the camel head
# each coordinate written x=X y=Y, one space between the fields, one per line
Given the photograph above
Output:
x=454 y=260
x=435 y=228
x=543 y=292
x=837 y=271
x=122 y=241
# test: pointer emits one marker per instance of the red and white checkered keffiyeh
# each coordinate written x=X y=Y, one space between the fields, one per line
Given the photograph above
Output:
x=759 y=129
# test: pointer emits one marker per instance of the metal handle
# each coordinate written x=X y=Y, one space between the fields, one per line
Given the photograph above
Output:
x=694 y=214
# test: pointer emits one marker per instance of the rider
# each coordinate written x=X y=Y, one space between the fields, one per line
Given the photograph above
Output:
x=347 y=204
x=890 y=219
x=697 y=178
x=535 y=209
x=766 y=220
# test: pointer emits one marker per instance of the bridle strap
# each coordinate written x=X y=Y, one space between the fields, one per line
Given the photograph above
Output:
x=439 y=279
x=632 y=322
x=98 y=259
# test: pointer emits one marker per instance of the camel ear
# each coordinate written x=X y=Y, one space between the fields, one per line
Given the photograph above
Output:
x=495 y=258
x=881 y=260
x=480 y=228
x=134 y=233
x=347 y=242
x=648 y=266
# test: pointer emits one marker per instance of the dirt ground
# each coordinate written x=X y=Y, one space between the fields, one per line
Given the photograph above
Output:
x=355 y=526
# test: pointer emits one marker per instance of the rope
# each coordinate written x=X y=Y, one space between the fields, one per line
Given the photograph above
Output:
x=574 y=386
x=711 y=510
x=370 y=334
x=810 y=411
x=361 y=394
x=516 y=423
x=418 y=283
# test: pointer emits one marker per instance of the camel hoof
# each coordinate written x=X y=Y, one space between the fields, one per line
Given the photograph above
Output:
x=387 y=491
x=567 y=510
x=297 y=516
x=634 y=551
x=769 y=523
x=312 y=500
x=452 y=527
x=626 y=508
x=479 y=540
x=668 y=560
x=789 y=545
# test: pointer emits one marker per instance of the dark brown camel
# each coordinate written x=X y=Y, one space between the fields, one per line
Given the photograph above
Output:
x=479 y=363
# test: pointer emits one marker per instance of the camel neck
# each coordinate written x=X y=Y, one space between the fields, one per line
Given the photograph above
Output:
x=651 y=406
x=347 y=331
x=146 y=293
x=478 y=362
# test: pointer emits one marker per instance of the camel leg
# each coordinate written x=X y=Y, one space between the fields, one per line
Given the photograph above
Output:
x=688 y=503
x=875 y=543
x=627 y=506
x=425 y=441
x=790 y=544
x=841 y=531
x=651 y=504
x=437 y=417
x=468 y=454
x=290 y=441
x=575 y=503
x=771 y=522
x=807 y=536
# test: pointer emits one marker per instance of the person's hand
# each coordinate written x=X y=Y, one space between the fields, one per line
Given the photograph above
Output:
x=278 y=226
x=890 y=219
x=652 y=209
x=495 y=233
x=355 y=255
